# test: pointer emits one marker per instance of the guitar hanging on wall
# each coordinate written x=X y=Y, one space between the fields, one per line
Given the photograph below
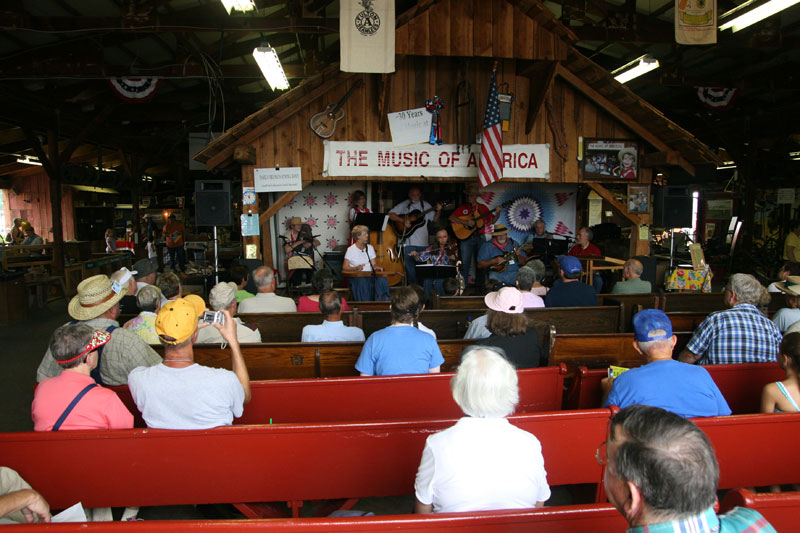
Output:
x=324 y=123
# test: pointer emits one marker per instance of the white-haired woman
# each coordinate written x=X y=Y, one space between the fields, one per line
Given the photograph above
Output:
x=482 y=462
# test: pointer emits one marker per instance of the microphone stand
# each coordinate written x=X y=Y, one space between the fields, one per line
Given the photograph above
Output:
x=372 y=269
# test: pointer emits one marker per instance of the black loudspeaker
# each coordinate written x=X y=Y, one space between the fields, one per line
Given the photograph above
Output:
x=672 y=207
x=212 y=203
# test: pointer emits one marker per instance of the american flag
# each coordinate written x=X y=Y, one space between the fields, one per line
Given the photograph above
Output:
x=490 y=168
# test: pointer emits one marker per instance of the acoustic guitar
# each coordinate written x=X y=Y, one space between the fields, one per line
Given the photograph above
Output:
x=463 y=232
x=324 y=123
x=416 y=219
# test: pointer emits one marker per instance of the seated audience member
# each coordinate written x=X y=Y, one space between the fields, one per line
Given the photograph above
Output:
x=31 y=238
x=539 y=271
x=321 y=280
x=400 y=348
x=526 y=277
x=632 y=279
x=451 y=287
x=54 y=400
x=359 y=258
x=332 y=328
x=170 y=286
x=223 y=296
x=570 y=292
x=662 y=475
x=784 y=396
x=148 y=299
x=240 y=276
x=686 y=390
x=483 y=462
x=96 y=305
x=146 y=273
x=124 y=277
x=585 y=248
x=790 y=314
x=19 y=503
x=266 y=301
x=417 y=324
x=741 y=334
x=510 y=330
x=180 y=394
x=789 y=268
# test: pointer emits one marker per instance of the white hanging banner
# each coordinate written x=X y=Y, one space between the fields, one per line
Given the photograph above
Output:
x=278 y=179
x=366 y=35
x=384 y=159
x=695 y=21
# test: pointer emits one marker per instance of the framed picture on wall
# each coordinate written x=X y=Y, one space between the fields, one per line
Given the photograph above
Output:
x=639 y=198
x=610 y=159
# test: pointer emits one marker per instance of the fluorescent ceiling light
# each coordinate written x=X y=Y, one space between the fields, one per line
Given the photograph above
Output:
x=637 y=67
x=755 y=15
x=271 y=68
x=29 y=161
x=726 y=167
x=89 y=188
x=238 y=5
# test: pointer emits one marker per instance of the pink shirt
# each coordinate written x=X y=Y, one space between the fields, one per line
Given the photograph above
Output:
x=100 y=408
x=531 y=300
x=307 y=305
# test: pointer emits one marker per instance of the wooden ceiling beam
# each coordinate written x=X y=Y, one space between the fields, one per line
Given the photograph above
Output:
x=80 y=69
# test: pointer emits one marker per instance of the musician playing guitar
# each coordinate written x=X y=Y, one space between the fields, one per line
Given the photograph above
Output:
x=474 y=218
x=417 y=241
x=503 y=256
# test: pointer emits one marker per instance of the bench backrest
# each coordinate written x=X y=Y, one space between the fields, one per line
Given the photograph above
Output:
x=300 y=360
x=597 y=350
x=692 y=301
x=271 y=463
x=287 y=327
x=458 y=302
x=740 y=385
x=779 y=508
x=629 y=304
x=686 y=320
x=754 y=450
x=376 y=398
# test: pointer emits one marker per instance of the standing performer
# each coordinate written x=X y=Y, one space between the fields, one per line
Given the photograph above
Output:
x=416 y=241
x=359 y=200
x=503 y=256
x=174 y=231
x=474 y=218
x=298 y=241
x=441 y=253
x=360 y=257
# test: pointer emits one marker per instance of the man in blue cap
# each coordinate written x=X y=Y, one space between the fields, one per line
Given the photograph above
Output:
x=570 y=292
x=684 y=389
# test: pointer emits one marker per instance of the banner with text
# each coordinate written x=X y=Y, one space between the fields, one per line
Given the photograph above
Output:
x=383 y=159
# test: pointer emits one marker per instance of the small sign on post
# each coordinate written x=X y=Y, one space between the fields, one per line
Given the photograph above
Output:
x=412 y=126
x=278 y=179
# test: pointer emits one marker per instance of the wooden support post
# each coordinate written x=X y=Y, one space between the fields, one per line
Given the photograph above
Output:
x=55 y=203
x=385 y=87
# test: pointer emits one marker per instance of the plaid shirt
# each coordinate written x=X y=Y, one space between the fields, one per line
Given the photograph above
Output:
x=739 y=335
x=738 y=520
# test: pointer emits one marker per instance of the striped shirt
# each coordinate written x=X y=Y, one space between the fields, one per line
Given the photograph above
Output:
x=739 y=335
x=738 y=520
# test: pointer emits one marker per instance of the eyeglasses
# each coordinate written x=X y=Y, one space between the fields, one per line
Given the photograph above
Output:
x=602 y=454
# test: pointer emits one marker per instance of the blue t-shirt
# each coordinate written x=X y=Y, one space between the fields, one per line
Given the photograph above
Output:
x=684 y=389
x=399 y=350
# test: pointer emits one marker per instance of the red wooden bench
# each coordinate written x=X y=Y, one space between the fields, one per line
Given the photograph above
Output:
x=267 y=463
x=591 y=518
x=780 y=509
x=375 y=398
x=740 y=384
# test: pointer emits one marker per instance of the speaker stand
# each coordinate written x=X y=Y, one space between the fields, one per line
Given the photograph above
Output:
x=671 y=247
x=216 y=258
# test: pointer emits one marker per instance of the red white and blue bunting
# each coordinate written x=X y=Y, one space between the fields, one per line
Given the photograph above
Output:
x=717 y=98
x=134 y=90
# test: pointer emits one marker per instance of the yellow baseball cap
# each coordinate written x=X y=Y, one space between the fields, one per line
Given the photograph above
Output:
x=177 y=319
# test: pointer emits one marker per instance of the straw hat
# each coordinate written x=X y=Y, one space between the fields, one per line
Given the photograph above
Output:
x=96 y=295
x=500 y=229
x=791 y=286
x=628 y=150
x=295 y=221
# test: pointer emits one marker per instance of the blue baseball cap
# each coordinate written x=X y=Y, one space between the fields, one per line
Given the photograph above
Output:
x=647 y=321
x=569 y=264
